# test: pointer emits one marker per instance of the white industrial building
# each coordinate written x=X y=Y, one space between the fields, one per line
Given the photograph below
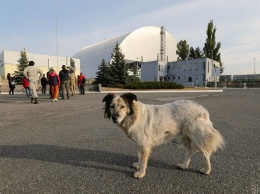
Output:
x=246 y=77
x=142 y=45
x=9 y=62
x=194 y=72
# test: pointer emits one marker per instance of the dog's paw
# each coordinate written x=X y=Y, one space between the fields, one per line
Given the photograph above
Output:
x=205 y=171
x=139 y=174
x=182 y=166
x=136 y=166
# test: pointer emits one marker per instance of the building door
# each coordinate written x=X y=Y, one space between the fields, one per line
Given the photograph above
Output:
x=161 y=79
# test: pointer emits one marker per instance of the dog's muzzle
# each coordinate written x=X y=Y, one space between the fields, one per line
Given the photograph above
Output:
x=114 y=118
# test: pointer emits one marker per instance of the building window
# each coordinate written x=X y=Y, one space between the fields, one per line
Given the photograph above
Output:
x=196 y=66
x=190 y=67
x=178 y=65
x=179 y=77
x=173 y=66
x=173 y=77
x=184 y=78
x=183 y=67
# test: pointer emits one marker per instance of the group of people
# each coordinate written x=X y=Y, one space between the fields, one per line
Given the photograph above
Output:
x=58 y=83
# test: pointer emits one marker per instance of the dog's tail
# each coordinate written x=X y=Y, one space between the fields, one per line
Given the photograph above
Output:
x=206 y=138
x=213 y=140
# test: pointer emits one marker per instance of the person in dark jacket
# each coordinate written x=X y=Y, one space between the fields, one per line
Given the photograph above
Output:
x=54 y=82
x=11 y=82
x=65 y=80
x=44 y=83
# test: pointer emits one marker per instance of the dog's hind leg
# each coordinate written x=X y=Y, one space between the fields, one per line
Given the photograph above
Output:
x=145 y=154
x=188 y=153
x=206 y=170
x=137 y=165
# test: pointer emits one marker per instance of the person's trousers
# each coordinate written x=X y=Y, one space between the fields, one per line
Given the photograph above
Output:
x=54 y=91
x=72 y=87
x=82 y=89
x=44 y=89
x=27 y=91
x=65 y=85
x=33 y=88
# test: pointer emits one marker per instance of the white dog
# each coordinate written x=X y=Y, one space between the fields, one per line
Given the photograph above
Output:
x=152 y=125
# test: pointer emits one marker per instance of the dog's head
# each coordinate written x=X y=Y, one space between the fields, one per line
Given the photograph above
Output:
x=118 y=107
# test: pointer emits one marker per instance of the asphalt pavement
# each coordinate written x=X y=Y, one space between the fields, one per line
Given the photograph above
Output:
x=68 y=147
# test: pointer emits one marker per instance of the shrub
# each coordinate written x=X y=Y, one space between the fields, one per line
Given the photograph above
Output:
x=153 y=85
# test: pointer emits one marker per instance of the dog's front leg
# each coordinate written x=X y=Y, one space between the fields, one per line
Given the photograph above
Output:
x=145 y=153
x=137 y=165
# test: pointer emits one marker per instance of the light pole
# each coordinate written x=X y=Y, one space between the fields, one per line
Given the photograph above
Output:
x=254 y=69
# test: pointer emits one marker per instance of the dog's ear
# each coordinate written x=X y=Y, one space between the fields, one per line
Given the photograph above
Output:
x=108 y=99
x=130 y=97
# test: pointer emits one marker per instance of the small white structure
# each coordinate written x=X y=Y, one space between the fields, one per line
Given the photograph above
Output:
x=246 y=77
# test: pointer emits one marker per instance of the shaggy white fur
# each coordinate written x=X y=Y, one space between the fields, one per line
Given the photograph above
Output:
x=152 y=125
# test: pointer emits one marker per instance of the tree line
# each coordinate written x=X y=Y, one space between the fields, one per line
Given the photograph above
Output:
x=210 y=49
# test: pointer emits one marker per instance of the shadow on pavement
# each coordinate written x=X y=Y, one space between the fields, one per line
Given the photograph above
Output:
x=77 y=157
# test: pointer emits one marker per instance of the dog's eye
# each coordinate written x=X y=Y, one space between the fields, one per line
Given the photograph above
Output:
x=112 y=106
x=122 y=106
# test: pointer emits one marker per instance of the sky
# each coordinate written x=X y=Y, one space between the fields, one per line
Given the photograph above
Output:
x=63 y=27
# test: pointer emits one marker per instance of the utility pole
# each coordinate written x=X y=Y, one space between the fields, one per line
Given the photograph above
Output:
x=215 y=71
x=254 y=69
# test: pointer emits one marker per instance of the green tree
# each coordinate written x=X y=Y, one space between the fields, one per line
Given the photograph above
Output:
x=118 y=67
x=182 y=50
x=23 y=63
x=103 y=74
x=133 y=77
x=211 y=48
x=196 y=54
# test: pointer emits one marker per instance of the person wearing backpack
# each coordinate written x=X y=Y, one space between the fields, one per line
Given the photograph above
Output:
x=82 y=81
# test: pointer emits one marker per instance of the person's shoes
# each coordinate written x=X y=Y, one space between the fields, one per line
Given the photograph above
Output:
x=32 y=99
x=56 y=100
x=62 y=98
x=68 y=97
x=50 y=97
x=36 y=101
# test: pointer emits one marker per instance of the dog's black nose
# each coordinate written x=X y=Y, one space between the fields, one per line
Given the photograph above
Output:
x=114 y=118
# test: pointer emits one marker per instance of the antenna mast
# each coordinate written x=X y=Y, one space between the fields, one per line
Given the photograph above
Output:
x=57 y=49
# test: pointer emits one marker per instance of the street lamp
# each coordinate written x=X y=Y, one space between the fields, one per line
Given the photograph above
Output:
x=254 y=69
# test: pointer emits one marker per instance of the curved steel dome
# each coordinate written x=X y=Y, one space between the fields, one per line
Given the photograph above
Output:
x=143 y=45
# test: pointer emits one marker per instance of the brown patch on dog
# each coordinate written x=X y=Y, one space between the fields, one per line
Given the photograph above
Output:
x=108 y=99
x=129 y=98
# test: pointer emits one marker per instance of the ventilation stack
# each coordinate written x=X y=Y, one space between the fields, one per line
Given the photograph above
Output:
x=163 y=44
